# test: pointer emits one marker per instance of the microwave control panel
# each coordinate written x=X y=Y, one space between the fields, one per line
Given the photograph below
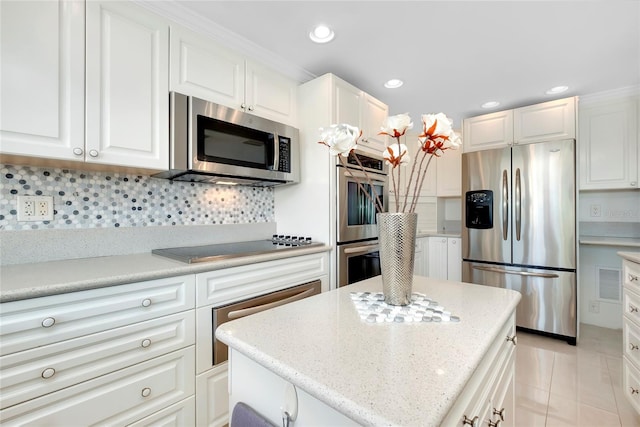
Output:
x=284 y=159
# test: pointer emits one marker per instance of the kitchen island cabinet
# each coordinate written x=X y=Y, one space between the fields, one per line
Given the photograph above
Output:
x=346 y=371
x=631 y=327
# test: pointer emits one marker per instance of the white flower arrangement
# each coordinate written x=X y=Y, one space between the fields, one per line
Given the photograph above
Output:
x=437 y=136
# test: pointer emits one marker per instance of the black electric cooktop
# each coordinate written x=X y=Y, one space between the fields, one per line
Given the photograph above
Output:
x=194 y=254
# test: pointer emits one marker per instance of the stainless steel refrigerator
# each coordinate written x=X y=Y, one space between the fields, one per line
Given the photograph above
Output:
x=519 y=230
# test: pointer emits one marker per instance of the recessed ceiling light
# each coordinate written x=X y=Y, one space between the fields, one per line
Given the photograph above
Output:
x=557 y=89
x=393 y=83
x=321 y=34
x=490 y=104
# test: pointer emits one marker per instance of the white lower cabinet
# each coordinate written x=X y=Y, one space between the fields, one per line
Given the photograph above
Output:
x=212 y=397
x=631 y=332
x=181 y=414
x=445 y=258
x=112 y=355
x=420 y=262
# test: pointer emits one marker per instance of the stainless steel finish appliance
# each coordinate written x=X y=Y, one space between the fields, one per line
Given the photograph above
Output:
x=519 y=230
x=206 y=253
x=357 y=230
x=244 y=308
x=358 y=261
x=217 y=144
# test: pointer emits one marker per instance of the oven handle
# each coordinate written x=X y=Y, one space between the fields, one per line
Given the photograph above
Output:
x=236 y=314
x=360 y=175
x=361 y=249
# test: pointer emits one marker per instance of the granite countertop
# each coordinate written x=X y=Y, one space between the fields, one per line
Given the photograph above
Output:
x=377 y=373
x=630 y=256
x=610 y=241
x=23 y=281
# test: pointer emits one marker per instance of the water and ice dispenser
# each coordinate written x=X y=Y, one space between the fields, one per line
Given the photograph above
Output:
x=479 y=209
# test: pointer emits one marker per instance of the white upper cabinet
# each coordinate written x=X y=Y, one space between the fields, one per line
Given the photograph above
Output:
x=608 y=144
x=357 y=108
x=202 y=68
x=552 y=120
x=488 y=131
x=41 y=78
x=449 y=174
x=127 y=86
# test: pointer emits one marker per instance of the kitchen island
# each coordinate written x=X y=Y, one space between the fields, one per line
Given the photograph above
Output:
x=346 y=370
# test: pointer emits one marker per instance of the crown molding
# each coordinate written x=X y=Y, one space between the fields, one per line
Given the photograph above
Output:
x=613 y=94
x=174 y=11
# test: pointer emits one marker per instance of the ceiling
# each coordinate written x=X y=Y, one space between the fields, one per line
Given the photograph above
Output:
x=452 y=55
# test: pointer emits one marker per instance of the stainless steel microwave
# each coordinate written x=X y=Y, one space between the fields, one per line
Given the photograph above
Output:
x=220 y=145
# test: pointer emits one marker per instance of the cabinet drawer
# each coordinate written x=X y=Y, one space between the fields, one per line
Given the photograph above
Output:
x=31 y=373
x=631 y=383
x=182 y=414
x=118 y=398
x=631 y=275
x=631 y=305
x=61 y=317
x=631 y=340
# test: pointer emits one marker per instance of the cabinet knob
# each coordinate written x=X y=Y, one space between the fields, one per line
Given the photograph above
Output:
x=78 y=151
x=633 y=183
x=250 y=108
x=146 y=302
x=93 y=153
x=474 y=422
x=634 y=390
x=243 y=106
x=513 y=339
x=499 y=413
x=633 y=308
x=365 y=140
x=633 y=278
x=633 y=346
x=145 y=343
x=48 y=322
x=48 y=373
x=146 y=392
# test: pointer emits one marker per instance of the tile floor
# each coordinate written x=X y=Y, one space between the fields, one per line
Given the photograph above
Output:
x=562 y=385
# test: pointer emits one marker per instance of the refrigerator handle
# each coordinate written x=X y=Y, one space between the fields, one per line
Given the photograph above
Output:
x=518 y=205
x=505 y=205
x=517 y=273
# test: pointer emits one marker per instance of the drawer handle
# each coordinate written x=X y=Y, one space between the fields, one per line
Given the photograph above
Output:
x=513 y=339
x=633 y=308
x=492 y=424
x=634 y=390
x=145 y=343
x=632 y=278
x=474 y=422
x=48 y=373
x=633 y=346
x=146 y=392
x=146 y=302
x=48 y=322
x=499 y=413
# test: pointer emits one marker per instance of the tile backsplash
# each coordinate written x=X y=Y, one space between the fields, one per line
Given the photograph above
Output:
x=99 y=199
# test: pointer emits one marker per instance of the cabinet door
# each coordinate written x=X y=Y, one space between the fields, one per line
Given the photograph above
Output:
x=449 y=174
x=374 y=113
x=454 y=259
x=488 y=131
x=347 y=100
x=608 y=147
x=212 y=397
x=547 y=121
x=127 y=86
x=420 y=262
x=269 y=94
x=42 y=110
x=202 y=68
x=438 y=258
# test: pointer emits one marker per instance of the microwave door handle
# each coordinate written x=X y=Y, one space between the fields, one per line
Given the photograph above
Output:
x=276 y=153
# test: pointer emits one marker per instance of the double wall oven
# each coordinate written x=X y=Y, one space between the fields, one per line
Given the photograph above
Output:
x=357 y=233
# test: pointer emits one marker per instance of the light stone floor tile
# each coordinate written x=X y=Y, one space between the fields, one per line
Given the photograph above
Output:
x=558 y=384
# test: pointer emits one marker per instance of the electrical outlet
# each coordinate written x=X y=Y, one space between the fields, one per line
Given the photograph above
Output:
x=35 y=208
x=594 y=306
x=596 y=211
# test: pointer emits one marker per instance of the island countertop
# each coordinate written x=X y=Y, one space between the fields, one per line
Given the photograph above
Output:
x=377 y=373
